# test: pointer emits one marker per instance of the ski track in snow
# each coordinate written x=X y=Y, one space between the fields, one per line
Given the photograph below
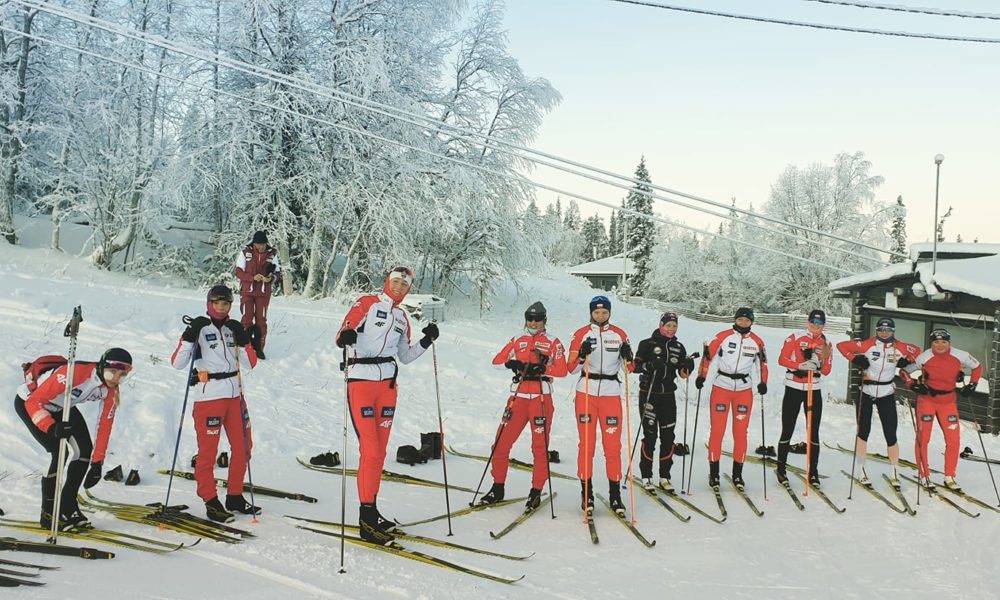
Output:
x=295 y=401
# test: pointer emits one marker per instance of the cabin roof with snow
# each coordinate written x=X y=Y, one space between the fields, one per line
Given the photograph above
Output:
x=972 y=269
x=611 y=265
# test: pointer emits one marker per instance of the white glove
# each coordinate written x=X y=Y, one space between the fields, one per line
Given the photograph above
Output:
x=809 y=365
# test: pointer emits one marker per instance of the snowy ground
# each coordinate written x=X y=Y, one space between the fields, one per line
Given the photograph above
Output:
x=295 y=400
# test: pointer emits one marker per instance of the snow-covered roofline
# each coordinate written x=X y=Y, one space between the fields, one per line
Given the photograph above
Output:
x=611 y=265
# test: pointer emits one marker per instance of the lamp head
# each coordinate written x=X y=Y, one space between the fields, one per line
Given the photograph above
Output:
x=938 y=159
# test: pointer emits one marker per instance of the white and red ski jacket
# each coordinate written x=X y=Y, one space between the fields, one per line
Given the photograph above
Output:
x=530 y=349
x=383 y=335
x=249 y=263
x=87 y=387
x=215 y=353
x=791 y=355
x=879 y=378
x=737 y=357
x=940 y=371
x=604 y=363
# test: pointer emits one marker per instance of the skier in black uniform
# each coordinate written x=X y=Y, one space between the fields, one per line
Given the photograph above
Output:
x=658 y=360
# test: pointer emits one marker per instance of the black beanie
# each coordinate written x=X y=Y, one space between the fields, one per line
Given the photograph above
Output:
x=535 y=312
x=259 y=238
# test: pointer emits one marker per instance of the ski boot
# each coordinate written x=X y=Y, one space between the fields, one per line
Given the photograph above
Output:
x=951 y=484
x=587 y=497
x=928 y=484
x=814 y=478
x=738 y=476
x=48 y=501
x=369 y=528
x=863 y=480
x=494 y=495
x=384 y=523
x=779 y=472
x=216 y=512
x=894 y=480
x=74 y=519
x=534 y=500
x=713 y=475
x=647 y=483
x=615 y=498
x=666 y=486
x=238 y=503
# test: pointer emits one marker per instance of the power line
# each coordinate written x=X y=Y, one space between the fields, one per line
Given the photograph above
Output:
x=425 y=121
x=435 y=155
x=905 y=34
x=909 y=9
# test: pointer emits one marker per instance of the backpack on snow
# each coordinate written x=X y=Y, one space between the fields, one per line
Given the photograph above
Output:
x=34 y=370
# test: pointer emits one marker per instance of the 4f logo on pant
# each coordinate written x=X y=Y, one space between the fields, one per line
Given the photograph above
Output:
x=952 y=421
x=741 y=412
x=539 y=424
x=213 y=425
x=387 y=424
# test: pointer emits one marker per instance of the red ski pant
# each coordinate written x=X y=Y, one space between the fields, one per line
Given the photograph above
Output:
x=606 y=410
x=722 y=401
x=519 y=412
x=210 y=418
x=945 y=409
x=254 y=311
x=373 y=404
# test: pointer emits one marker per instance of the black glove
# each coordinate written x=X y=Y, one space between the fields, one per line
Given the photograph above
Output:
x=93 y=475
x=762 y=388
x=194 y=329
x=656 y=363
x=514 y=365
x=967 y=389
x=688 y=365
x=861 y=361
x=699 y=382
x=903 y=363
x=626 y=352
x=241 y=336
x=920 y=389
x=586 y=348
x=62 y=430
x=347 y=337
x=535 y=370
x=807 y=353
x=431 y=331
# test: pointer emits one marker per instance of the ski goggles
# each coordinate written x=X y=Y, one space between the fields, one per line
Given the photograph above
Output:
x=940 y=334
x=124 y=367
x=403 y=273
x=818 y=321
x=885 y=329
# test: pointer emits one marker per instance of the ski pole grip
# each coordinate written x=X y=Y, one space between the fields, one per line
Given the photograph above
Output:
x=73 y=327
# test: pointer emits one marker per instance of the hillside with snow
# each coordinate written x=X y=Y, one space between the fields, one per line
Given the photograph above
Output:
x=296 y=403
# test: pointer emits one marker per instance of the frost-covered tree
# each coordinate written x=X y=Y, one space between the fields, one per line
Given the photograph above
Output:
x=572 y=219
x=639 y=232
x=595 y=239
x=614 y=234
x=898 y=231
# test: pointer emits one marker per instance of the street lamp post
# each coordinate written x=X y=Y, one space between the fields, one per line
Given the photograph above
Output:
x=938 y=159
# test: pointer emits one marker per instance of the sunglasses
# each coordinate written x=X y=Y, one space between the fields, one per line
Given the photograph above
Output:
x=885 y=329
x=818 y=322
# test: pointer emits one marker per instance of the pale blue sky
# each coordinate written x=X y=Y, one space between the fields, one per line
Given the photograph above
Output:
x=719 y=107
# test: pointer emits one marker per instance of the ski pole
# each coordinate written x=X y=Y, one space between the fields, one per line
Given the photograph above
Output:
x=684 y=440
x=649 y=392
x=548 y=465
x=586 y=434
x=71 y=331
x=763 y=462
x=180 y=425
x=628 y=427
x=809 y=431
x=979 y=430
x=918 y=452
x=343 y=463
x=244 y=417
x=496 y=440
x=857 y=434
x=444 y=463
x=694 y=434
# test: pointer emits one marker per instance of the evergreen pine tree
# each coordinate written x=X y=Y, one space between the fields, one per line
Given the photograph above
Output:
x=595 y=239
x=898 y=232
x=614 y=234
x=640 y=231
x=572 y=219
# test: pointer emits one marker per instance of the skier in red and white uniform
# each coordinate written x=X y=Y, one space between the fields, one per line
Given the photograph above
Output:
x=536 y=358
x=39 y=404
x=738 y=355
x=941 y=367
x=215 y=342
x=257 y=268
x=878 y=357
x=598 y=352
x=375 y=332
x=804 y=352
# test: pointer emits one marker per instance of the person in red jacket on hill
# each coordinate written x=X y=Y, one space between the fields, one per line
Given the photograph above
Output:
x=807 y=356
x=536 y=357
x=739 y=357
x=215 y=342
x=257 y=268
x=40 y=402
x=375 y=334
x=941 y=366
x=878 y=358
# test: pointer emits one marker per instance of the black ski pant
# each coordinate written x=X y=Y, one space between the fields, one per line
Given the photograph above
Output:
x=886 y=406
x=794 y=400
x=659 y=417
x=80 y=446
